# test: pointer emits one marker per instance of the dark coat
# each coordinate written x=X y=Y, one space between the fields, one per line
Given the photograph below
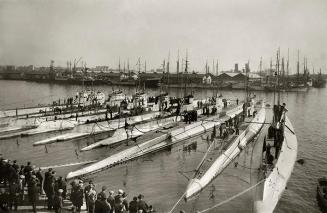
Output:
x=79 y=195
x=58 y=202
x=33 y=191
x=14 y=189
x=102 y=206
x=46 y=181
x=133 y=206
x=143 y=206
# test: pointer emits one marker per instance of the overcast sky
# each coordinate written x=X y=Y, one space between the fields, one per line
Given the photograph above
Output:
x=101 y=31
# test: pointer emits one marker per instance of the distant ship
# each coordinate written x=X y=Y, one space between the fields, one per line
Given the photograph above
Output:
x=319 y=81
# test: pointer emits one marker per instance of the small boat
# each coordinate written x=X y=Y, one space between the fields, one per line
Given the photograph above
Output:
x=322 y=193
x=319 y=81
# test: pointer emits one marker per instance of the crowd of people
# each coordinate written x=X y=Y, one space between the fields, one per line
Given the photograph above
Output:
x=105 y=201
x=16 y=179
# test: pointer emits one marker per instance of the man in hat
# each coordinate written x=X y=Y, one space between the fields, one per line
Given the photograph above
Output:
x=103 y=192
x=39 y=176
x=2 y=169
x=47 y=180
x=133 y=206
x=125 y=202
x=79 y=196
x=58 y=201
x=21 y=171
x=61 y=183
x=14 y=195
x=51 y=189
x=15 y=166
x=119 y=195
x=33 y=191
x=101 y=205
x=111 y=200
x=12 y=174
x=27 y=171
x=86 y=192
x=91 y=197
x=142 y=204
x=119 y=206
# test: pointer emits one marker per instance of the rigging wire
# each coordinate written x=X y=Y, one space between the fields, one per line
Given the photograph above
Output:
x=179 y=200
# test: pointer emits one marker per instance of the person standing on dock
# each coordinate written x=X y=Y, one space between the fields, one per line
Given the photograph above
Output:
x=14 y=195
x=101 y=205
x=86 y=193
x=12 y=174
x=21 y=184
x=133 y=206
x=142 y=205
x=46 y=180
x=125 y=202
x=40 y=178
x=15 y=166
x=103 y=192
x=33 y=192
x=51 y=190
x=58 y=201
x=111 y=200
x=79 y=196
x=91 y=199
x=61 y=184
x=27 y=171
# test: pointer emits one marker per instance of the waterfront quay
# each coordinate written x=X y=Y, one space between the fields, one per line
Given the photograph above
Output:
x=235 y=79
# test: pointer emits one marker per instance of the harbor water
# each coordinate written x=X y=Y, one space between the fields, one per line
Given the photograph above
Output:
x=161 y=177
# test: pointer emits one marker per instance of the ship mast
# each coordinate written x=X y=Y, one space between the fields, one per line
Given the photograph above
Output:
x=119 y=65
x=168 y=71
x=144 y=72
x=128 y=70
x=177 y=66
x=288 y=62
x=283 y=73
x=247 y=73
x=260 y=70
x=186 y=73
x=277 y=70
x=139 y=72
x=298 y=63
x=217 y=68
x=216 y=78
